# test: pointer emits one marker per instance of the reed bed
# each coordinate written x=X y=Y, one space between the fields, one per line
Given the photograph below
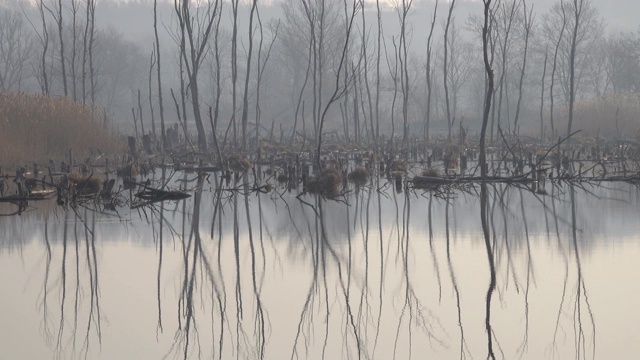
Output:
x=611 y=116
x=36 y=128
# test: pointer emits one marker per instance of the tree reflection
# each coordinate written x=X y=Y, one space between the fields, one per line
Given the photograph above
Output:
x=84 y=267
x=356 y=278
x=492 y=269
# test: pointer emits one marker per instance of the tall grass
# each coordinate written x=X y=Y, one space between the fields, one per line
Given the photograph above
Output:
x=613 y=116
x=39 y=128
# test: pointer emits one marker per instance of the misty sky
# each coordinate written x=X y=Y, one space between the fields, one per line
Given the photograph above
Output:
x=620 y=15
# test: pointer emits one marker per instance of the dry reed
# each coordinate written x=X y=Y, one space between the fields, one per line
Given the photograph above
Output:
x=38 y=128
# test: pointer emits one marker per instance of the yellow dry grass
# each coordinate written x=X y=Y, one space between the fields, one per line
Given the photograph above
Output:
x=38 y=128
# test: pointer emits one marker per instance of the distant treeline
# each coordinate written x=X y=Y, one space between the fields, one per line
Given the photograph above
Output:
x=365 y=69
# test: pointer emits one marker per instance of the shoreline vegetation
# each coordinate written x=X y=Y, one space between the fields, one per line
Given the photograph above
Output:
x=36 y=128
x=39 y=132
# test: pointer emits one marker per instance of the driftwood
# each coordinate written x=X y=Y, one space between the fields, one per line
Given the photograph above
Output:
x=430 y=181
x=33 y=196
x=150 y=195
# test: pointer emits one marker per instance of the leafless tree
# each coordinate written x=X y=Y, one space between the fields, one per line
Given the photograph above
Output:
x=339 y=89
x=57 y=14
x=458 y=67
x=16 y=48
x=402 y=9
x=527 y=25
x=505 y=20
x=483 y=169
x=550 y=23
x=159 y=72
x=428 y=70
x=195 y=31
x=245 y=97
x=623 y=61
x=445 y=65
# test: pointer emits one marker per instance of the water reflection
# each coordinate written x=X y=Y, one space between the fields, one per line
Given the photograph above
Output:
x=492 y=271
x=73 y=322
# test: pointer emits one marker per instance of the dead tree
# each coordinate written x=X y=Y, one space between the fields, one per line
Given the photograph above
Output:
x=507 y=16
x=338 y=90
x=58 y=18
x=157 y=46
x=404 y=67
x=528 y=24
x=44 y=38
x=245 y=99
x=489 y=88
x=195 y=31
x=554 y=67
x=483 y=170
x=428 y=72
x=445 y=71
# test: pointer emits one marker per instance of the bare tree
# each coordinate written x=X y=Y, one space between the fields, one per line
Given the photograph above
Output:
x=338 y=89
x=234 y=68
x=159 y=79
x=91 y=17
x=44 y=39
x=444 y=67
x=542 y=87
x=623 y=61
x=74 y=47
x=56 y=13
x=582 y=31
x=89 y=30
x=402 y=10
x=428 y=72
x=152 y=64
x=195 y=30
x=262 y=64
x=458 y=68
x=485 y=113
x=483 y=170
x=505 y=25
x=550 y=23
x=365 y=74
x=378 y=57
x=245 y=100
x=527 y=25
x=16 y=47
x=578 y=11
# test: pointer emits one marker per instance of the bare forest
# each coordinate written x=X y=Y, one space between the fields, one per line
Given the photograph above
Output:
x=363 y=71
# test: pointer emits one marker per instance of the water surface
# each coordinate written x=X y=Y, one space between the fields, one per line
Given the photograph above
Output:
x=375 y=274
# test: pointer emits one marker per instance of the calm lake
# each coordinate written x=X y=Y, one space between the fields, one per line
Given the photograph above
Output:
x=375 y=274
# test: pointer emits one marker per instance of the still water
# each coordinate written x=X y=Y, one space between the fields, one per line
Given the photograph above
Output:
x=376 y=274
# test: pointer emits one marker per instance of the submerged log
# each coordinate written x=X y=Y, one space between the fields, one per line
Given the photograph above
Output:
x=151 y=195
x=430 y=181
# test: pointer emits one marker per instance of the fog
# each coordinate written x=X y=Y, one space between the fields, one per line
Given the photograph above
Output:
x=373 y=90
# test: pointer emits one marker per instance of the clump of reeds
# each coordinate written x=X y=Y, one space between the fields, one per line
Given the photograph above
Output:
x=238 y=163
x=326 y=183
x=85 y=185
x=39 y=128
x=611 y=115
x=398 y=165
x=129 y=171
x=282 y=178
x=358 y=176
x=431 y=172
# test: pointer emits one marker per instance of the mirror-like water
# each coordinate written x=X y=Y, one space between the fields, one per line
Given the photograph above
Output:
x=374 y=275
